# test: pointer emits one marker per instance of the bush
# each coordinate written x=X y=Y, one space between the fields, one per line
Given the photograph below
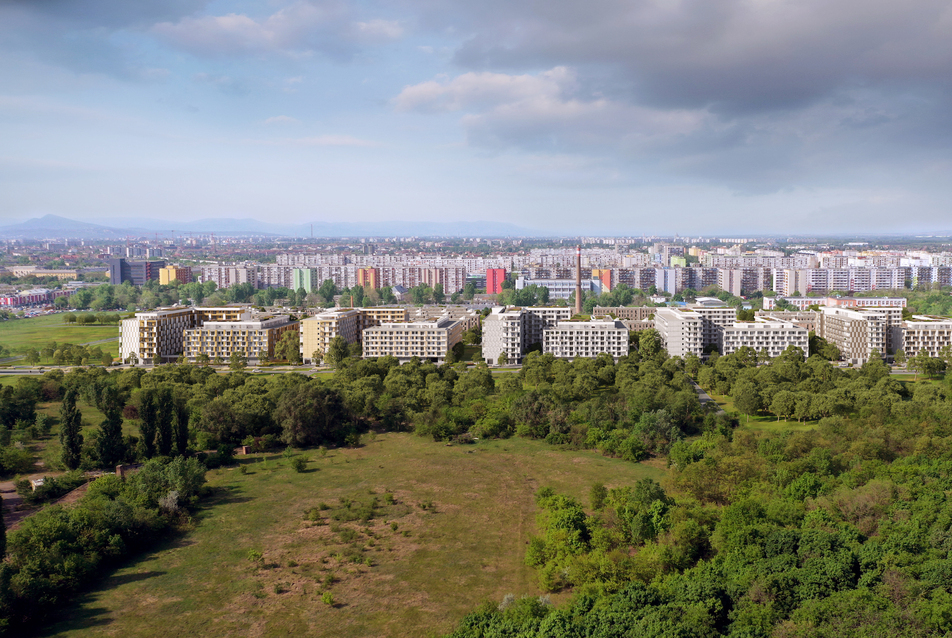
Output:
x=327 y=598
x=299 y=463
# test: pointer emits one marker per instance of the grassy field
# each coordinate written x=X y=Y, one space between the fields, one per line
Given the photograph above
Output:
x=413 y=570
x=36 y=332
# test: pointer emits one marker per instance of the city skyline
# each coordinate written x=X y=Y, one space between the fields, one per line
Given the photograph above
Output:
x=606 y=118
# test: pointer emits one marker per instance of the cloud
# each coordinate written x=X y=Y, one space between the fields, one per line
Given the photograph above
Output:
x=299 y=28
x=282 y=119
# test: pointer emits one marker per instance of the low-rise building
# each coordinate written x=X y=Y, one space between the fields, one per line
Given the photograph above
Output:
x=574 y=339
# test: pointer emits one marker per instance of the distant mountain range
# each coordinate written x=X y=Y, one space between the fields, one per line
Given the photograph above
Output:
x=56 y=227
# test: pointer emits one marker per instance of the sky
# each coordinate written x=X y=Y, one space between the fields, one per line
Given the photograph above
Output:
x=619 y=117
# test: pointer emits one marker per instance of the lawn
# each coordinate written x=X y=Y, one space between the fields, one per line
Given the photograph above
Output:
x=413 y=570
x=36 y=332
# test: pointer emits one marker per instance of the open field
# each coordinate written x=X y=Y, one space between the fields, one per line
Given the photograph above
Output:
x=417 y=577
x=36 y=332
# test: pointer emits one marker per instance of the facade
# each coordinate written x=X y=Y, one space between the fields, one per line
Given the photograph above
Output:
x=225 y=276
x=368 y=277
x=926 y=333
x=632 y=313
x=806 y=319
x=764 y=334
x=574 y=339
x=135 y=272
x=305 y=278
x=426 y=340
x=35 y=297
x=714 y=318
x=494 y=279
x=169 y=274
x=504 y=331
x=254 y=339
x=681 y=331
x=856 y=333
x=317 y=331
x=561 y=288
x=158 y=336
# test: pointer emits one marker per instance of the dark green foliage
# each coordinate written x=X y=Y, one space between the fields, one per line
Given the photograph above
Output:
x=311 y=414
x=58 y=551
x=71 y=437
x=110 y=447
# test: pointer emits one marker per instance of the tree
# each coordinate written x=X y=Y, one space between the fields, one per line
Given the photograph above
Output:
x=503 y=359
x=469 y=291
x=784 y=404
x=649 y=343
x=746 y=398
x=109 y=446
x=148 y=423
x=900 y=357
x=164 y=409
x=327 y=290
x=337 y=351
x=106 y=359
x=32 y=356
x=203 y=359
x=288 y=347
x=317 y=356
x=237 y=361
x=71 y=438
x=438 y=294
x=311 y=414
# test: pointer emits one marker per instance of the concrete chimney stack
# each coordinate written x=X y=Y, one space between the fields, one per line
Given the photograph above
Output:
x=578 y=280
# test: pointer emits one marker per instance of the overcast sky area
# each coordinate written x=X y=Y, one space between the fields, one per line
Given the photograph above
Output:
x=603 y=116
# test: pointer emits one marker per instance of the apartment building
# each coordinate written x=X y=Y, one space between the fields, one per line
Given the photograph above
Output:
x=226 y=276
x=169 y=274
x=316 y=332
x=426 y=340
x=157 y=336
x=855 y=332
x=631 y=313
x=494 y=279
x=574 y=339
x=765 y=333
x=561 y=288
x=305 y=278
x=504 y=331
x=135 y=272
x=254 y=338
x=926 y=333
x=469 y=317
x=714 y=318
x=538 y=318
x=806 y=319
x=681 y=331
x=802 y=303
x=368 y=277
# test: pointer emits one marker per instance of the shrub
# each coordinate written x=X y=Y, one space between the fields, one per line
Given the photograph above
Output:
x=327 y=598
x=299 y=464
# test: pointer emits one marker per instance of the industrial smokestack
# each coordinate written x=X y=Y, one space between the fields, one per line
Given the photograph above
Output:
x=578 y=280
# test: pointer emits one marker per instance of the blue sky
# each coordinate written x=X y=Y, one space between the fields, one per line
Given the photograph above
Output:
x=604 y=116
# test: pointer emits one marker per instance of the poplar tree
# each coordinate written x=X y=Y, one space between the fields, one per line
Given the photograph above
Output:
x=71 y=437
x=147 y=424
x=109 y=445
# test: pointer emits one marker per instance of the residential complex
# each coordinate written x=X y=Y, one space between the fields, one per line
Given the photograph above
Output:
x=769 y=335
x=424 y=339
x=926 y=333
x=318 y=331
x=135 y=272
x=574 y=339
x=158 y=336
x=254 y=338
x=168 y=274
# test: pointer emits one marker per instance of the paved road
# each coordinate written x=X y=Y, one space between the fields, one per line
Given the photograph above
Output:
x=704 y=397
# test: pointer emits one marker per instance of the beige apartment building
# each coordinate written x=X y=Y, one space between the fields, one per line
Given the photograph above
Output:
x=574 y=339
x=157 y=336
x=926 y=333
x=424 y=339
x=855 y=332
x=764 y=334
x=255 y=338
x=317 y=331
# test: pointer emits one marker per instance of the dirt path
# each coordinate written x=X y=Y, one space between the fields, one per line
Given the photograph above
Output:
x=13 y=516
